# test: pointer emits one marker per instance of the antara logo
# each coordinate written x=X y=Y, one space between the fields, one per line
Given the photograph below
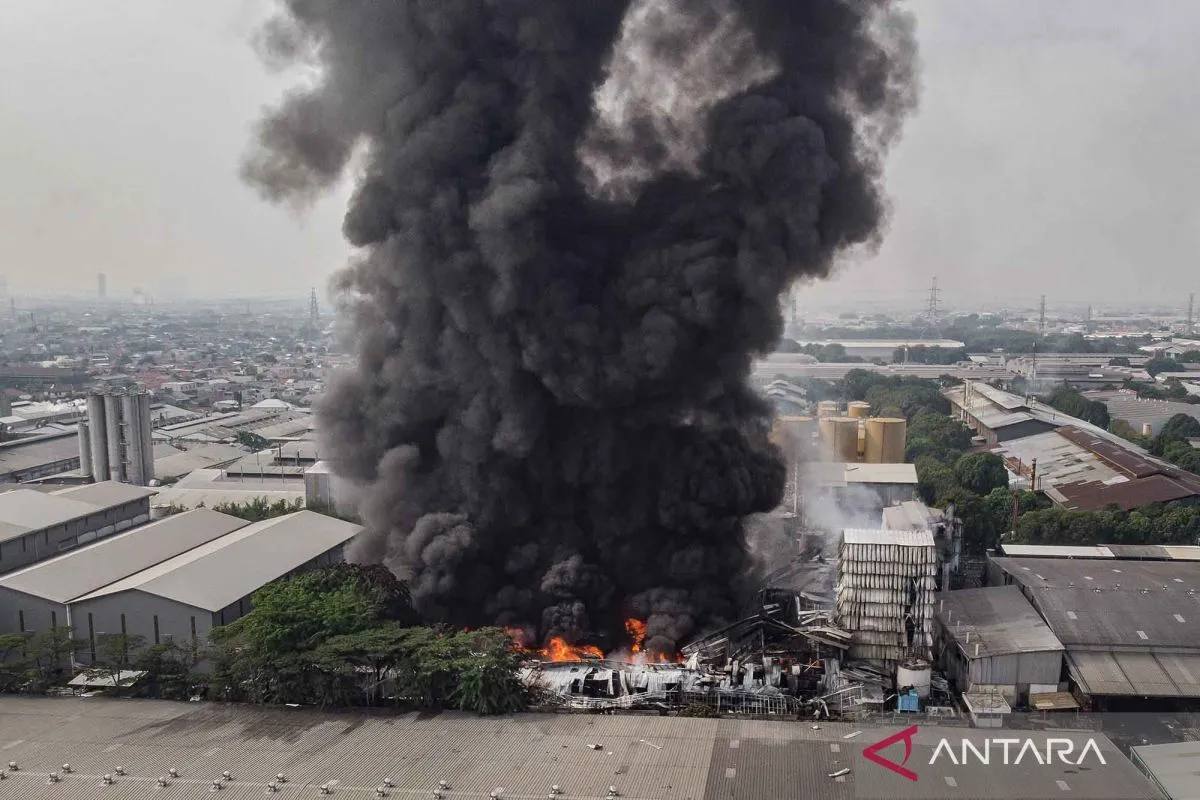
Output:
x=1002 y=751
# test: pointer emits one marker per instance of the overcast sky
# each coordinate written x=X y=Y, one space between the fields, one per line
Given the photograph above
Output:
x=1056 y=150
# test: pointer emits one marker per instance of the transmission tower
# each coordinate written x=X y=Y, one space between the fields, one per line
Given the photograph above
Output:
x=314 y=311
x=1087 y=322
x=1191 y=313
x=1042 y=317
x=931 y=311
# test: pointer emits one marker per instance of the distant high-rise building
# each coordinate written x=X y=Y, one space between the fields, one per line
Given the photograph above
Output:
x=101 y=285
x=114 y=440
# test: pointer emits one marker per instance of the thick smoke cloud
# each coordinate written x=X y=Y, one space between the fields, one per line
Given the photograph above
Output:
x=575 y=220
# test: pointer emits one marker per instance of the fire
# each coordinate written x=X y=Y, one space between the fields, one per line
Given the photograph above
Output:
x=559 y=649
x=636 y=629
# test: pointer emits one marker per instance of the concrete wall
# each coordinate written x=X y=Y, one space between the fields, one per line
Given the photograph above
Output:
x=20 y=612
x=47 y=542
x=102 y=615
x=175 y=619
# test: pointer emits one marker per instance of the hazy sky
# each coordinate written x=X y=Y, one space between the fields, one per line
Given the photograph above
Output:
x=1056 y=150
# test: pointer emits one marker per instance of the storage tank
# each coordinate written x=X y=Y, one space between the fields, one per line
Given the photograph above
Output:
x=85 y=449
x=858 y=409
x=885 y=440
x=133 y=440
x=827 y=408
x=112 y=436
x=98 y=436
x=840 y=437
x=914 y=672
x=794 y=435
x=146 y=425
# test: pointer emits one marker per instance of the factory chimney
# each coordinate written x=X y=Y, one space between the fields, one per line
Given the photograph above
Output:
x=115 y=442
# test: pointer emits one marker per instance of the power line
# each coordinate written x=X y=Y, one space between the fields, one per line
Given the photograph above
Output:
x=314 y=311
x=1042 y=317
x=931 y=311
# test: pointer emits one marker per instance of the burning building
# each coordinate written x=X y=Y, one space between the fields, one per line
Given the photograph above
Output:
x=574 y=225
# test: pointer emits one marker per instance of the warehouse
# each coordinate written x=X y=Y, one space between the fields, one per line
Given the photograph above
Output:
x=1173 y=767
x=1130 y=629
x=38 y=456
x=992 y=640
x=35 y=598
x=186 y=596
x=35 y=525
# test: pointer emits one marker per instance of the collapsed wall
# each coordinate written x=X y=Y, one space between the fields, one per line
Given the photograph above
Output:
x=885 y=592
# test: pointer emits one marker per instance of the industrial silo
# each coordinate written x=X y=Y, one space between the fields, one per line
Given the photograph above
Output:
x=885 y=440
x=112 y=432
x=858 y=409
x=97 y=436
x=144 y=423
x=85 y=449
x=839 y=435
x=133 y=439
x=795 y=436
x=827 y=408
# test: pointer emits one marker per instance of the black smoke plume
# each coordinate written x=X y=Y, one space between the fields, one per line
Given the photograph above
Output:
x=574 y=222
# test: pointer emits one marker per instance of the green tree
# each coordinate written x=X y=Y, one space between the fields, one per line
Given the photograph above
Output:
x=981 y=472
x=115 y=655
x=260 y=508
x=252 y=440
x=48 y=655
x=168 y=670
x=13 y=663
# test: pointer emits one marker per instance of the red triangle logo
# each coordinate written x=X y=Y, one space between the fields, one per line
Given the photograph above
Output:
x=906 y=736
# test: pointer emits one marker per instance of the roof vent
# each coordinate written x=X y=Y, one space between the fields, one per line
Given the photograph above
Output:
x=216 y=786
x=280 y=778
x=119 y=770
x=162 y=780
x=12 y=766
x=381 y=791
x=272 y=787
x=66 y=768
x=107 y=780
x=324 y=789
x=388 y=782
x=53 y=778
x=174 y=773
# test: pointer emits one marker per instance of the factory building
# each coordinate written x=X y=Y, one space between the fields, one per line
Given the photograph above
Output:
x=115 y=441
x=36 y=525
x=991 y=640
x=184 y=597
x=885 y=591
x=35 y=598
x=859 y=485
x=1130 y=628
x=34 y=457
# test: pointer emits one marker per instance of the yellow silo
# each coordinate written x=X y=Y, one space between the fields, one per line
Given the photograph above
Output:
x=794 y=435
x=840 y=437
x=858 y=409
x=827 y=408
x=885 y=440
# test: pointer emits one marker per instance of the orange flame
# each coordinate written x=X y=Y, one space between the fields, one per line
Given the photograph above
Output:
x=558 y=649
x=637 y=634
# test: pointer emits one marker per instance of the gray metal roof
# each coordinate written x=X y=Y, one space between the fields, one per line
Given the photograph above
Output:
x=1104 y=603
x=23 y=454
x=993 y=621
x=1175 y=767
x=644 y=757
x=106 y=494
x=219 y=572
x=89 y=568
x=202 y=457
x=25 y=510
x=1138 y=674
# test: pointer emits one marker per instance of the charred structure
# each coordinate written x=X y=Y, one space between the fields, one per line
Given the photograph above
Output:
x=575 y=221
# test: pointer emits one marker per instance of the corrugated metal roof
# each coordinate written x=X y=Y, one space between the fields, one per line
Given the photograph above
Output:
x=106 y=494
x=205 y=456
x=1108 y=603
x=997 y=619
x=1175 y=767
x=219 y=572
x=24 y=454
x=644 y=757
x=1142 y=674
x=1056 y=551
x=827 y=473
x=212 y=496
x=25 y=510
x=91 y=567
x=922 y=538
